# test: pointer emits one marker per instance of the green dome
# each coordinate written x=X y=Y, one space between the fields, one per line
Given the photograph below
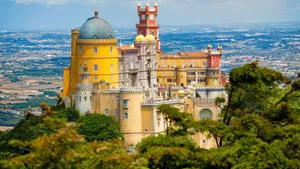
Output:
x=96 y=28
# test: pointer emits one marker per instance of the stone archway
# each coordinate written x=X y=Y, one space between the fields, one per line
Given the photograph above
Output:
x=206 y=114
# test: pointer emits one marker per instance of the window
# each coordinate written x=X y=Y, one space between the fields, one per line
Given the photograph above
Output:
x=121 y=67
x=125 y=116
x=116 y=112
x=111 y=67
x=96 y=68
x=164 y=73
x=205 y=114
x=80 y=68
x=96 y=77
x=106 y=112
x=203 y=141
x=79 y=98
x=183 y=64
x=111 y=50
x=117 y=99
x=174 y=64
x=164 y=63
x=85 y=99
x=125 y=103
x=111 y=77
x=153 y=33
x=95 y=50
x=80 y=50
x=91 y=98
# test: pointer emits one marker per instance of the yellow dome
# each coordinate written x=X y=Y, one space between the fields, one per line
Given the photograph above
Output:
x=180 y=92
x=150 y=38
x=140 y=38
x=132 y=46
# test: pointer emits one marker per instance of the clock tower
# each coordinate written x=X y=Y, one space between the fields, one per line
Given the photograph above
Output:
x=147 y=22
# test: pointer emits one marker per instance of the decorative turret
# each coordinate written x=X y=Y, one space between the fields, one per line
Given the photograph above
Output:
x=84 y=92
x=147 y=22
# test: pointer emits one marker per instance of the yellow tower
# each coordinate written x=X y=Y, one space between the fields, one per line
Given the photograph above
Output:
x=95 y=45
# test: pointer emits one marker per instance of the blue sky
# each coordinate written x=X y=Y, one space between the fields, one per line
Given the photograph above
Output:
x=68 y=14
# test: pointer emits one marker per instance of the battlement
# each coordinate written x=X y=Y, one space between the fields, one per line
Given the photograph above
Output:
x=211 y=51
x=84 y=87
x=148 y=8
x=158 y=103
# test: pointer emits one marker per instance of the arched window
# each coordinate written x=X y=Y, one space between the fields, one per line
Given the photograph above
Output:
x=205 y=114
x=125 y=116
x=111 y=50
x=106 y=112
x=111 y=67
x=95 y=50
x=80 y=50
x=80 y=68
x=96 y=68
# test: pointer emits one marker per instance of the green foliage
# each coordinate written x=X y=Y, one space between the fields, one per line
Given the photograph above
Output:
x=99 y=127
x=220 y=100
x=67 y=149
x=178 y=122
x=170 y=152
x=26 y=130
x=166 y=141
x=70 y=114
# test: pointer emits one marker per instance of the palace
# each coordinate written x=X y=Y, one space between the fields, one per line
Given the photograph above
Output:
x=130 y=82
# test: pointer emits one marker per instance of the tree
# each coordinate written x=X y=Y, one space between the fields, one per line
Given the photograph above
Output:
x=177 y=122
x=258 y=122
x=70 y=114
x=99 y=127
x=68 y=149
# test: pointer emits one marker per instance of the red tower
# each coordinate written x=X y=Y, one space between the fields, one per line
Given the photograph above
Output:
x=147 y=24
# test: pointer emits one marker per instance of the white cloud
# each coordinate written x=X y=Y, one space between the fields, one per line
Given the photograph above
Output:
x=55 y=2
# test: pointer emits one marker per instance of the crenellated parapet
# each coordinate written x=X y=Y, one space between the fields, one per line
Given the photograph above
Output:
x=83 y=87
x=158 y=103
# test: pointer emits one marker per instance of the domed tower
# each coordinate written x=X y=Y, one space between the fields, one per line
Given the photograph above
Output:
x=94 y=44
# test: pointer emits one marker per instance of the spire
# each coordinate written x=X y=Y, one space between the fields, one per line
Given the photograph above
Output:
x=139 y=4
x=96 y=13
x=147 y=4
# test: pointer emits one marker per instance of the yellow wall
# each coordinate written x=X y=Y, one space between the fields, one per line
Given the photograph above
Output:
x=83 y=53
x=210 y=81
x=181 y=78
x=73 y=61
x=66 y=85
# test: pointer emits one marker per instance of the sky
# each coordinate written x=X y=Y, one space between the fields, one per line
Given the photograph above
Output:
x=69 y=14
